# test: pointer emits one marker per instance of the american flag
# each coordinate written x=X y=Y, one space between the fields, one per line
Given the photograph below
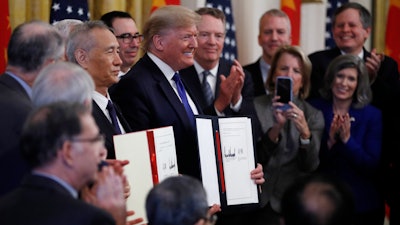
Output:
x=69 y=9
x=230 y=51
x=331 y=6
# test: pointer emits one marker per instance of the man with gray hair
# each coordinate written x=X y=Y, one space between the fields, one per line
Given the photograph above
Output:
x=94 y=47
x=178 y=200
x=62 y=81
x=32 y=46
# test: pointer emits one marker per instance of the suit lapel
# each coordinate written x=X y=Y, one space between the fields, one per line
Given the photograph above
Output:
x=122 y=119
x=102 y=121
x=167 y=91
x=192 y=83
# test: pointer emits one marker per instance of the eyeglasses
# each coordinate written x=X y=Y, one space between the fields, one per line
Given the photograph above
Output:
x=99 y=138
x=127 y=38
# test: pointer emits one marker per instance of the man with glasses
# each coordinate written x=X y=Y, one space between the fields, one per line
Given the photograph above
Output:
x=64 y=147
x=128 y=37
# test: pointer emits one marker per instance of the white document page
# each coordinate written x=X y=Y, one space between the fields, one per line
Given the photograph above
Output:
x=208 y=161
x=135 y=148
x=164 y=142
x=238 y=160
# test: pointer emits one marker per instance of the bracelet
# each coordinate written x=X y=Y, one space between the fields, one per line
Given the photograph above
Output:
x=305 y=141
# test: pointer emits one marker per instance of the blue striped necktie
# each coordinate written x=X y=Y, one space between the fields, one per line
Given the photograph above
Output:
x=182 y=95
x=113 y=115
x=205 y=86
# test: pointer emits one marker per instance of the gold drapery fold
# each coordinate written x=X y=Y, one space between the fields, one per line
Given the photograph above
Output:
x=26 y=10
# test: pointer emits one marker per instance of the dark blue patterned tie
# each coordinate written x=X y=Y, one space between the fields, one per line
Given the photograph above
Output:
x=182 y=95
x=205 y=86
x=113 y=115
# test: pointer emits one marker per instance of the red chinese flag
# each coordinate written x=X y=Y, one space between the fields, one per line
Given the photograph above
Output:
x=5 y=31
x=158 y=3
x=293 y=9
x=392 y=47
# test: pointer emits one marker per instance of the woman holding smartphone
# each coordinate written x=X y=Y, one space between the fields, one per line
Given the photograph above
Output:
x=289 y=143
x=352 y=139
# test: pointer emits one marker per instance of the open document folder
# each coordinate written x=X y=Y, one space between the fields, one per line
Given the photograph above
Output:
x=152 y=158
x=227 y=157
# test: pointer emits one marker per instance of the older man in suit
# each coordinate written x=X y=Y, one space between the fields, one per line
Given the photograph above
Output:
x=230 y=89
x=95 y=48
x=32 y=46
x=152 y=95
x=64 y=147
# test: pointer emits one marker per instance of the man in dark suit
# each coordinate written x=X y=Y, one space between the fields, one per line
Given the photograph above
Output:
x=274 y=31
x=148 y=95
x=95 y=48
x=231 y=88
x=351 y=26
x=32 y=46
x=64 y=147
x=128 y=37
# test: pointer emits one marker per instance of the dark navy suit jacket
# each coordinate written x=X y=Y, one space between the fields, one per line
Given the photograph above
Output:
x=191 y=79
x=15 y=105
x=107 y=128
x=258 y=83
x=147 y=101
x=40 y=200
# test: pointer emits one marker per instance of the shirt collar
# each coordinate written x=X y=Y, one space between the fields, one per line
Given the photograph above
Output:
x=165 y=68
x=24 y=85
x=200 y=69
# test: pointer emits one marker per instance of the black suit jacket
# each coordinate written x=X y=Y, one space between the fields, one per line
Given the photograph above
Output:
x=388 y=72
x=147 y=101
x=191 y=79
x=40 y=200
x=258 y=83
x=15 y=106
x=386 y=94
x=107 y=128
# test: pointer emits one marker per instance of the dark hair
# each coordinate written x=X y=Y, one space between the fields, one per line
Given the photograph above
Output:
x=363 y=94
x=365 y=16
x=178 y=200
x=47 y=128
x=214 y=12
x=32 y=44
x=318 y=199
x=108 y=18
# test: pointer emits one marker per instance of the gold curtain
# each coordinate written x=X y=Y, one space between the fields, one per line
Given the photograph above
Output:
x=26 y=10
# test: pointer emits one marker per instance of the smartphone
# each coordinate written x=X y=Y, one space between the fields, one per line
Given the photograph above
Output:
x=284 y=86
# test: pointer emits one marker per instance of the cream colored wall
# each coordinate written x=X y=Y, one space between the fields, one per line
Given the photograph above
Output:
x=247 y=14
